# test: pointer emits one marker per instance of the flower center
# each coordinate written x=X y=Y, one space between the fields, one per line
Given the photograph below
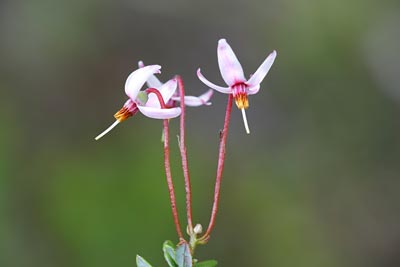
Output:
x=242 y=102
x=129 y=109
x=240 y=95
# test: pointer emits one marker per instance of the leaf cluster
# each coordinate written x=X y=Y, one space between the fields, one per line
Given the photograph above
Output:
x=179 y=256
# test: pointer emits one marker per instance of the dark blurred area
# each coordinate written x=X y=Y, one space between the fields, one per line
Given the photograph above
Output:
x=315 y=184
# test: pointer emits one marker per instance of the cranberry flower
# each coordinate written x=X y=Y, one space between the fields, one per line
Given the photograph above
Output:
x=192 y=101
x=232 y=73
x=138 y=100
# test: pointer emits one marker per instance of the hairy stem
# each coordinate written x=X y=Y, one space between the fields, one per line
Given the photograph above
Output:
x=220 y=168
x=182 y=147
x=167 y=164
x=171 y=189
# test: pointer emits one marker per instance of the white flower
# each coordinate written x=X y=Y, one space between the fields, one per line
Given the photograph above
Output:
x=192 y=101
x=138 y=100
x=232 y=73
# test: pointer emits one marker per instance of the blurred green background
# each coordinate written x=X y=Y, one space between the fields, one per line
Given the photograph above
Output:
x=315 y=184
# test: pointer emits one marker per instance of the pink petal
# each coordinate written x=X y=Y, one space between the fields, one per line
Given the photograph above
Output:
x=152 y=101
x=158 y=113
x=166 y=90
x=137 y=79
x=229 y=65
x=194 y=101
x=262 y=71
x=253 y=90
x=152 y=81
x=224 y=90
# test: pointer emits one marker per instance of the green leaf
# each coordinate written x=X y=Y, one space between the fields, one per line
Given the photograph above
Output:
x=209 y=263
x=142 y=262
x=169 y=253
x=183 y=256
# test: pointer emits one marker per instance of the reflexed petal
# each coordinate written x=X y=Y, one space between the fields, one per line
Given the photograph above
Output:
x=152 y=101
x=206 y=96
x=229 y=65
x=158 y=113
x=253 y=90
x=225 y=90
x=262 y=71
x=194 y=101
x=137 y=79
x=152 y=81
x=166 y=90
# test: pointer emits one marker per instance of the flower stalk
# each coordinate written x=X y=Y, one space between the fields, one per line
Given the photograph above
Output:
x=220 y=169
x=168 y=174
x=167 y=165
x=182 y=147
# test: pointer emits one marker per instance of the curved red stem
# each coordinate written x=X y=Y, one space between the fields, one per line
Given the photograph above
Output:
x=167 y=164
x=159 y=96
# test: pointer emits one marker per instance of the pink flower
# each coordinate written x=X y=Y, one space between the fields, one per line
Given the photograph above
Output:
x=192 y=101
x=232 y=73
x=138 y=100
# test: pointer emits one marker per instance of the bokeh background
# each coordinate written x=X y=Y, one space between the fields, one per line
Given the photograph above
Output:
x=315 y=184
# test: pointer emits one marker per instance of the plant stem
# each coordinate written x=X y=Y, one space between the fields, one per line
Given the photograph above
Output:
x=220 y=168
x=167 y=164
x=182 y=146
x=171 y=189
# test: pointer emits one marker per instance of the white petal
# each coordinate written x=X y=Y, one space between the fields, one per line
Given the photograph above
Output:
x=152 y=101
x=229 y=65
x=137 y=79
x=152 y=81
x=253 y=90
x=158 y=113
x=194 y=101
x=166 y=90
x=225 y=90
x=262 y=71
x=191 y=101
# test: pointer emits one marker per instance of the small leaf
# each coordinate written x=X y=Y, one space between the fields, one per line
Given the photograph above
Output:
x=168 y=243
x=209 y=263
x=169 y=253
x=183 y=256
x=142 y=262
